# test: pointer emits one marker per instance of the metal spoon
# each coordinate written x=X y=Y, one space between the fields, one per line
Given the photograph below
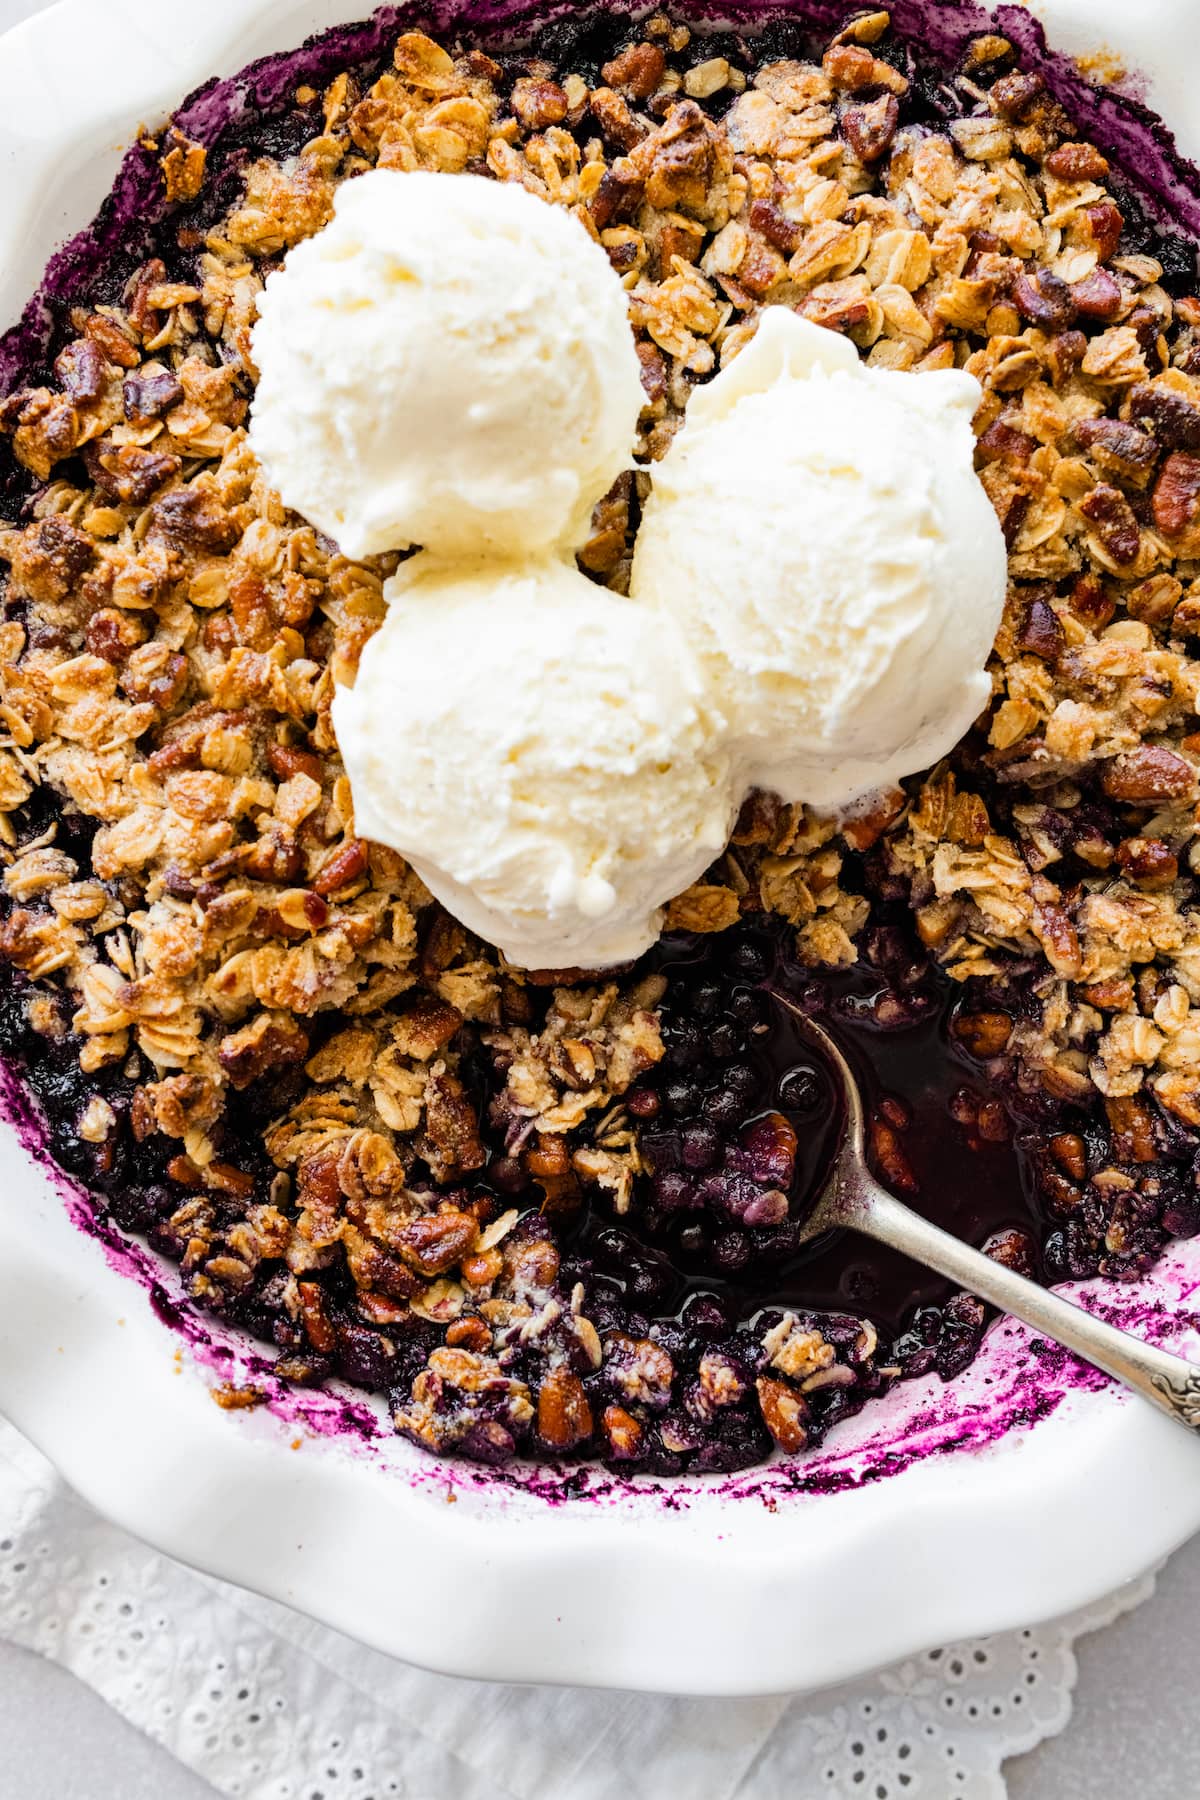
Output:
x=854 y=1201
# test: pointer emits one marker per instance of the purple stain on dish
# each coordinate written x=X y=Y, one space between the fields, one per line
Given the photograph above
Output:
x=1017 y=1381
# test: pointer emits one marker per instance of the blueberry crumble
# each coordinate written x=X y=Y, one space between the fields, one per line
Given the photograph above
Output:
x=557 y=1215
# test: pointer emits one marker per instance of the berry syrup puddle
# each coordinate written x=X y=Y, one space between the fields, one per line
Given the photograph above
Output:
x=912 y=1066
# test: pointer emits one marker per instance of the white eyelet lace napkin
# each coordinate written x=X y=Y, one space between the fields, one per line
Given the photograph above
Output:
x=266 y=1705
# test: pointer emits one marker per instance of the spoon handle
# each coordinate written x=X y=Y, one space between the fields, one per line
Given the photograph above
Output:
x=1169 y=1382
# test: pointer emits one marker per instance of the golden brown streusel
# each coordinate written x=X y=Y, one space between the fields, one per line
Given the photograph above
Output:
x=172 y=639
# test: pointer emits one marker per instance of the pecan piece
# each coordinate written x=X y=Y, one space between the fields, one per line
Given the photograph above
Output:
x=786 y=234
x=785 y=1413
x=616 y=122
x=1042 y=634
x=1001 y=443
x=1059 y=939
x=80 y=368
x=1013 y=95
x=849 y=66
x=1147 y=775
x=115 y=344
x=192 y=518
x=870 y=130
x=1091 y=604
x=1132 y=1124
x=538 y=102
x=1077 y=162
x=434 y=1244
x=1067 y=350
x=1108 y=510
x=1173 y=419
x=637 y=71
x=1121 y=449
x=1107 y=222
x=619 y=195
x=894 y=1166
x=623 y=1432
x=272 y=1041
x=451 y=1144
x=156 y=676
x=564 y=1418
x=124 y=472
x=183 y=163
x=113 y=634
x=148 y=397
x=318 y=1326
x=50 y=560
x=348 y=864
x=1176 y=493
x=1097 y=296
x=1148 y=861
x=285 y=761
x=983 y=1034
x=1044 y=299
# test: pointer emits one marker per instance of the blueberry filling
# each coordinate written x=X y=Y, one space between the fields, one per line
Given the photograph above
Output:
x=560 y=1218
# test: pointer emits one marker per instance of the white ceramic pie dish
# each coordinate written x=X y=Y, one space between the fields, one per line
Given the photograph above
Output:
x=719 y=1587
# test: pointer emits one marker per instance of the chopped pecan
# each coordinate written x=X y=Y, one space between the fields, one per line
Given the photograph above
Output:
x=1148 y=861
x=785 y=233
x=284 y=760
x=1173 y=419
x=112 y=634
x=450 y=1144
x=1118 y=448
x=81 y=370
x=1107 y=222
x=785 y=1413
x=125 y=472
x=435 y=1243
x=1077 y=162
x=1041 y=633
x=50 y=560
x=1097 y=296
x=870 y=130
x=1002 y=443
x=564 y=1418
x=1044 y=299
x=623 y=1433
x=618 y=196
x=1116 y=527
x=983 y=1034
x=1013 y=95
x=183 y=164
x=1147 y=775
x=539 y=102
x=616 y=122
x=1132 y=1124
x=192 y=518
x=271 y=1041
x=637 y=71
x=849 y=66
x=1176 y=493
x=147 y=397
x=347 y=865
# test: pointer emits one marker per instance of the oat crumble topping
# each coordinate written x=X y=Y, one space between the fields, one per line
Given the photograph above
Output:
x=348 y=1103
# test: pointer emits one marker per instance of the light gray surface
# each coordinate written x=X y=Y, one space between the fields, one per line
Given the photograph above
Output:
x=1135 y=1731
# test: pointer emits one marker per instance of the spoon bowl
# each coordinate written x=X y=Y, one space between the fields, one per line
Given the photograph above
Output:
x=853 y=1200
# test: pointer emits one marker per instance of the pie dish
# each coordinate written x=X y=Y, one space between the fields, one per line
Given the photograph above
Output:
x=1009 y=1382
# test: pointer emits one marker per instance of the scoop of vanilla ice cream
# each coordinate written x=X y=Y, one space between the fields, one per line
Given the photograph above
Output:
x=539 y=751
x=818 y=531
x=448 y=362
